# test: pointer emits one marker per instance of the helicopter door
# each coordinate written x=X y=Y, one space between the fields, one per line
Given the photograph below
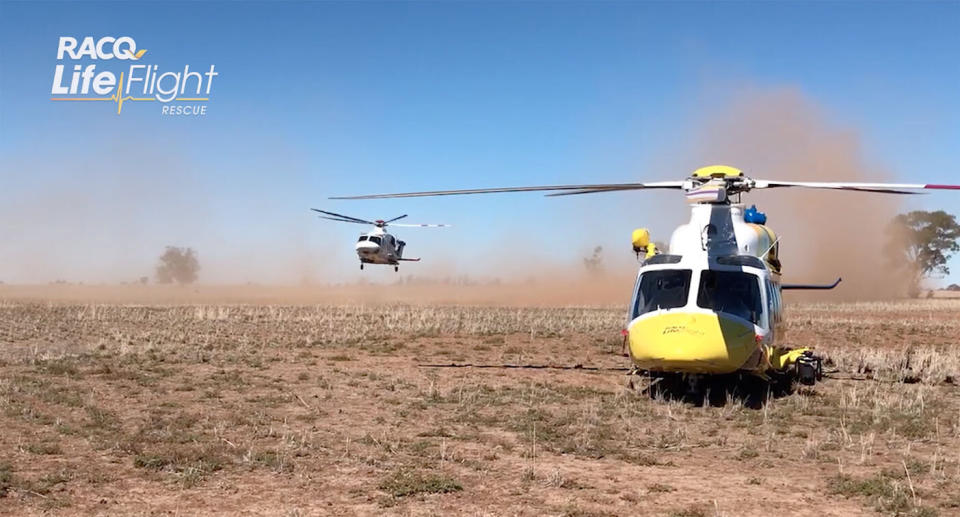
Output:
x=771 y=307
x=774 y=305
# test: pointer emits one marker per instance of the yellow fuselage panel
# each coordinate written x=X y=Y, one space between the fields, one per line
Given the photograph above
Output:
x=691 y=342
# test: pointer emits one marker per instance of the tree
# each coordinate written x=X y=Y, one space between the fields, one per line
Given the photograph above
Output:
x=923 y=242
x=178 y=265
x=594 y=263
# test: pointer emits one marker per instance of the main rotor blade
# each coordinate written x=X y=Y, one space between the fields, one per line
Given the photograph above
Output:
x=340 y=220
x=603 y=187
x=423 y=225
x=885 y=188
x=347 y=217
x=396 y=218
x=597 y=190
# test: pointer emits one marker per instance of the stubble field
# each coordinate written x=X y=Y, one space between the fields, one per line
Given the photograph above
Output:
x=259 y=409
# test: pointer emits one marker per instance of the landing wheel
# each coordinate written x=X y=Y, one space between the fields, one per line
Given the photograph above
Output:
x=361 y=266
x=396 y=269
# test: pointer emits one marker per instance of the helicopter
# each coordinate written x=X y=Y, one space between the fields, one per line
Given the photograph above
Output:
x=712 y=305
x=378 y=246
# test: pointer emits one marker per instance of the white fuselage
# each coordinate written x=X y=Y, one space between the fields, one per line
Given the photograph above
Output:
x=379 y=247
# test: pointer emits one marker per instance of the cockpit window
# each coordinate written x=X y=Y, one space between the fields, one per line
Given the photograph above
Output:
x=375 y=240
x=664 y=289
x=362 y=238
x=732 y=292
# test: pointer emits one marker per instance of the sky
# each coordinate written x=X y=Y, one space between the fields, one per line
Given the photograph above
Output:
x=315 y=99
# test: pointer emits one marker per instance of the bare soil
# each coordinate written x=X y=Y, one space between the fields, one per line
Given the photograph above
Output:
x=261 y=409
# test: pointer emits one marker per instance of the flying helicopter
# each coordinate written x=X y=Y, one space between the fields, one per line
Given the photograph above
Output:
x=377 y=246
x=711 y=305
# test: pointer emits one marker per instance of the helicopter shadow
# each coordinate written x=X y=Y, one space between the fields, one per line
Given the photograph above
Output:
x=719 y=390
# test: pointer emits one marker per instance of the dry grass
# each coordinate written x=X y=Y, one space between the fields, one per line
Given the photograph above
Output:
x=297 y=410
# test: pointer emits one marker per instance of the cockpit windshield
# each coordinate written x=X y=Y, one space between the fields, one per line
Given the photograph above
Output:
x=375 y=240
x=664 y=289
x=362 y=238
x=732 y=292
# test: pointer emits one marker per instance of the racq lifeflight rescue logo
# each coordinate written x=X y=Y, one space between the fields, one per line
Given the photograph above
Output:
x=178 y=93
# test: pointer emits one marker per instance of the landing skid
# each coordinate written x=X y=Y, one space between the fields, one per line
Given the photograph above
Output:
x=395 y=267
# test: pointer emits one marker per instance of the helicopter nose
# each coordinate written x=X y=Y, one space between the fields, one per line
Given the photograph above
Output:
x=705 y=343
x=367 y=247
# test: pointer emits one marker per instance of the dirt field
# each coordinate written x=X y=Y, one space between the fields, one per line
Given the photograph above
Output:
x=260 y=409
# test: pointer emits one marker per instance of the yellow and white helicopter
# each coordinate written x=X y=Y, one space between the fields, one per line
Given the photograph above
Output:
x=377 y=246
x=712 y=304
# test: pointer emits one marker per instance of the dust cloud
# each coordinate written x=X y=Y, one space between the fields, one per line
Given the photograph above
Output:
x=86 y=216
x=107 y=226
x=782 y=134
x=103 y=215
x=604 y=291
x=772 y=134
